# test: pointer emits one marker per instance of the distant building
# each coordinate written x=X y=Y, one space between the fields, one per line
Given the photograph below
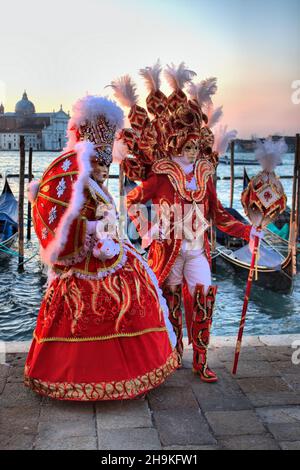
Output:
x=42 y=131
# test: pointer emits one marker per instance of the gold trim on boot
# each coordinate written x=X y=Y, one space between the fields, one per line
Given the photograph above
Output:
x=200 y=330
x=173 y=296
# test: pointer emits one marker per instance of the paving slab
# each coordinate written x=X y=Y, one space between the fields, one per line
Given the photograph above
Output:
x=61 y=430
x=285 y=431
x=293 y=445
x=249 y=442
x=126 y=414
x=16 y=394
x=183 y=427
x=67 y=443
x=274 y=398
x=225 y=395
x=263 y=384
x=16 y=441
x=19 y=420
x=135 y=439
x=171 y=398
x=276 y=415
x=234 y=423
x=254 y=369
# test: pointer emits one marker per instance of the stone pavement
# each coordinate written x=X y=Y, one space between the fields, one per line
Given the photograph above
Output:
x=257 y=409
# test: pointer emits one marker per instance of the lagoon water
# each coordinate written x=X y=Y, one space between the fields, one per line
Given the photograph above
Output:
x=268 y=312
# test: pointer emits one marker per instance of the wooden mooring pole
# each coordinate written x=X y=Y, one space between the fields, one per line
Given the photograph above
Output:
x=21 y=205
x=231 y=173
x=294 y=217
x=29 y=204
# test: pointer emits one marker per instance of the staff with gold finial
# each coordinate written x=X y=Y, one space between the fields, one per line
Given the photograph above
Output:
x=263 y=200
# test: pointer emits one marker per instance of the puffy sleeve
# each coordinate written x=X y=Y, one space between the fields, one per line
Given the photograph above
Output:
x=222 y=219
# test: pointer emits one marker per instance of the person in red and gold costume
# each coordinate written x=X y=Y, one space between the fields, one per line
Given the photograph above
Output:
x=102 y=332
x=174 y=153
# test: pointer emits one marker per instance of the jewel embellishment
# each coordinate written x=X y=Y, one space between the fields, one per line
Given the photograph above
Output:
x=60 y=188
x=52 y=215
x=66 y=165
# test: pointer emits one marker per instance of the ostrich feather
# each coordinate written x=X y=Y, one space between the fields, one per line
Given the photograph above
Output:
x=151 y=76
x=178 y=77
x=222 y=138
x=125 y=91
x=269 y=153
x=214 y=115
x=203 y=91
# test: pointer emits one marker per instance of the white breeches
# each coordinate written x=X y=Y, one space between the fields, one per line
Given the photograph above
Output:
x=191 y=265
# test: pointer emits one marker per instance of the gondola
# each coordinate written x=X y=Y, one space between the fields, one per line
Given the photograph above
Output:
x=8 y=220
x=275 y=261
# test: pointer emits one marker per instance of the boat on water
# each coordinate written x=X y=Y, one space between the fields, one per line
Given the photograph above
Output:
x=8 y=220
x=275 y=261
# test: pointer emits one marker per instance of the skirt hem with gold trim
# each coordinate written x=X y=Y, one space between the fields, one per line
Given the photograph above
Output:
x=115 y=390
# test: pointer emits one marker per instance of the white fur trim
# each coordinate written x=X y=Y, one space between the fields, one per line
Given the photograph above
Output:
x=32 y=190
x=84 y=152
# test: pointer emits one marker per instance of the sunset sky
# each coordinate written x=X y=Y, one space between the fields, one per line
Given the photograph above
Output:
x=60 y=50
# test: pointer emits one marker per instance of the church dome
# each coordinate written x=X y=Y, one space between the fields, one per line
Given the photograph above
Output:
x=24 y=107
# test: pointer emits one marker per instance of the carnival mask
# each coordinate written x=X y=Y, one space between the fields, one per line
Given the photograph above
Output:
x=190 y=151
x=99 y=170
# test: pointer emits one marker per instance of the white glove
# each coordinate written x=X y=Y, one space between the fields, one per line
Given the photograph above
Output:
x=106 y=249
x=255 y=233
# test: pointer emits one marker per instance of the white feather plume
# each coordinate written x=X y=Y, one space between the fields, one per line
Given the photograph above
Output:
x=151 y=76
x=178 y=77
x=213 y=115
x=125 y=91
x=222 y=137
x=203 y=91
x=269 y=153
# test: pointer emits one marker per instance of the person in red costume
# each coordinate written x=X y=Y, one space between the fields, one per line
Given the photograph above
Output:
x=102 y=331
x=174 y=154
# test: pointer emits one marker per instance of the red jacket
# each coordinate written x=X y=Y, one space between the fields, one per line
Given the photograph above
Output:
x=167 y=185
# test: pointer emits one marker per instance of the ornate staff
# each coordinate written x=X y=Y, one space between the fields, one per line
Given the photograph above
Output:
x=263 y=200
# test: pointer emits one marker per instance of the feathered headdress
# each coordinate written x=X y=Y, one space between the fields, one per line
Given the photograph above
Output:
x=95 y=119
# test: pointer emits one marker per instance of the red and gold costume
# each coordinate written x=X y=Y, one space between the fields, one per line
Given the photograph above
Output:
x=102 y=330
x=156 y=145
